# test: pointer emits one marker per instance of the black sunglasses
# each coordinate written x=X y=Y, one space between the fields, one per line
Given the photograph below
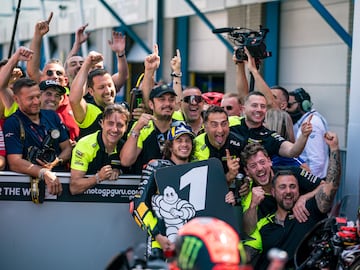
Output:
x=228 y=108
x=50 y=72
x=192 y=98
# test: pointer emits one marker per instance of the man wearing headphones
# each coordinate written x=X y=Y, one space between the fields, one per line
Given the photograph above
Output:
x=316 y=152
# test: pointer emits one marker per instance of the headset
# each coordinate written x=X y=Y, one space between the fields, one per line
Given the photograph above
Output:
x=305 y=101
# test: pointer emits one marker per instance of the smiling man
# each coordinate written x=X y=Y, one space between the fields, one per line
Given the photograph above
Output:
x=252 y=128
x=219 y=142
x=178 y=148
x=192 y=105
x=259 y=202
x=100 y=85
x=280 y=229
x=98 y=153
x=147 y=136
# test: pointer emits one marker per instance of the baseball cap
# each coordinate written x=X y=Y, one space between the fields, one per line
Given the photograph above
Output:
x=52 y=84
x=178 y=130
x=160 y=90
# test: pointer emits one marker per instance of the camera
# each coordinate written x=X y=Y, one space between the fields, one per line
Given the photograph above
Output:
x=253 y=40
x=136 y=99
x=46 y=153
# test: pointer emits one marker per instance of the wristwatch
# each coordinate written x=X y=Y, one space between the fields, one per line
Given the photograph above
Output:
x=177 y=75
x=121 y=55
x=135 y=134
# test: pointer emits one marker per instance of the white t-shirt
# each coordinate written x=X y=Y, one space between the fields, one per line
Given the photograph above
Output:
x=316 y=151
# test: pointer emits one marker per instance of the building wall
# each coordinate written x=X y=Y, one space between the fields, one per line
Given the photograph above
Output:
x=314 y=57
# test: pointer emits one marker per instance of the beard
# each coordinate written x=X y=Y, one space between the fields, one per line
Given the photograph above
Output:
x=164 y=117
x=295 y=116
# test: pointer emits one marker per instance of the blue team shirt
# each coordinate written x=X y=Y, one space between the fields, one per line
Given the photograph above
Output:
x=34 y=134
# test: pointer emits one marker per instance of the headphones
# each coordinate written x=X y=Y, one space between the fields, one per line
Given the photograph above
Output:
x=304 y=101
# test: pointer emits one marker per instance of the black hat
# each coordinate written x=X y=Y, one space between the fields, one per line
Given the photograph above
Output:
x=52 y=84
x=158 y=91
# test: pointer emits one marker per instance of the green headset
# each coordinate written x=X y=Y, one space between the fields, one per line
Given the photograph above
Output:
x=303 y=98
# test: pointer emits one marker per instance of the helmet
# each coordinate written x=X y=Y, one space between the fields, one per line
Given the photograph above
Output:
x=213 y=98
x=209 y=243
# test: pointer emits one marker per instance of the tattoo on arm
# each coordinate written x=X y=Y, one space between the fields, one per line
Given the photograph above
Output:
x=327 y=192
x=334 y=169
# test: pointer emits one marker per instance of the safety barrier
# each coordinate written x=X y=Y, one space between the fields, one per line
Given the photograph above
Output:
x=66 y=232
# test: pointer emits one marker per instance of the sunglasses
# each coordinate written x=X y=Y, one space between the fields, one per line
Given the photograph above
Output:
x=193 y=98
x=50 y=72
x=228 y=108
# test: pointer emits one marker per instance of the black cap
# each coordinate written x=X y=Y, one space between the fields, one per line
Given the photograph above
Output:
x=52 y=84
x=158 y=91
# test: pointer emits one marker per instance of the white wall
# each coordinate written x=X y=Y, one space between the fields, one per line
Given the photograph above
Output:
x=311 y=54
x=314 y=57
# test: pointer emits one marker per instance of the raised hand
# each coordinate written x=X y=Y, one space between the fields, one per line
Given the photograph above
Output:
x=258 y=195
x=23 y=54
x=306 y=127
x=233 y=164
x=332 y=140
x=175 y=62
x=94 y=57
x=118 y=42
x=251 y=64
x=42 y=27
x=152 y=61
x=81 y=36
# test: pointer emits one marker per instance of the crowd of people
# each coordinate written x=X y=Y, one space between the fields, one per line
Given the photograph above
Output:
x=64 y=118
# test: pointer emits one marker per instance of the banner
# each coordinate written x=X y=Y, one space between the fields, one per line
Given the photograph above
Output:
x=191 y=190
x=20 y=191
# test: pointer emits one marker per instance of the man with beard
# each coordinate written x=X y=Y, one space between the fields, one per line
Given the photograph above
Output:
x=219 y=142
x=100 y=85
x=98 y=153
x=280 y=229
x=259 y=202
x=147 y=136
x=177 y=150
x=316 y=152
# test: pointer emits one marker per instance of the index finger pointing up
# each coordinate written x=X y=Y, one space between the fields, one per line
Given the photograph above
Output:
x=50 y=17
x=309 y=119
x=156 y=49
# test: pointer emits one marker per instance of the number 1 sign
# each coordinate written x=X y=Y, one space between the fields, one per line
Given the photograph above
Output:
x=191 y=190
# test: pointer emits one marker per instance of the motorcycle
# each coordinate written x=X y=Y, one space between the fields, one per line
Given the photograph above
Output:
x=333 y=244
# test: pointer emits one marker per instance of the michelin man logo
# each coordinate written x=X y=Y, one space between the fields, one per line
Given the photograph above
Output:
x=174 y=211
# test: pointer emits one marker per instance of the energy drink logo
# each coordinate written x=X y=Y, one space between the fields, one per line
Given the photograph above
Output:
x=189 y=251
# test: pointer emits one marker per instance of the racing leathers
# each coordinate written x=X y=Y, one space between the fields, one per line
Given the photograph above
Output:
x=141 y=208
